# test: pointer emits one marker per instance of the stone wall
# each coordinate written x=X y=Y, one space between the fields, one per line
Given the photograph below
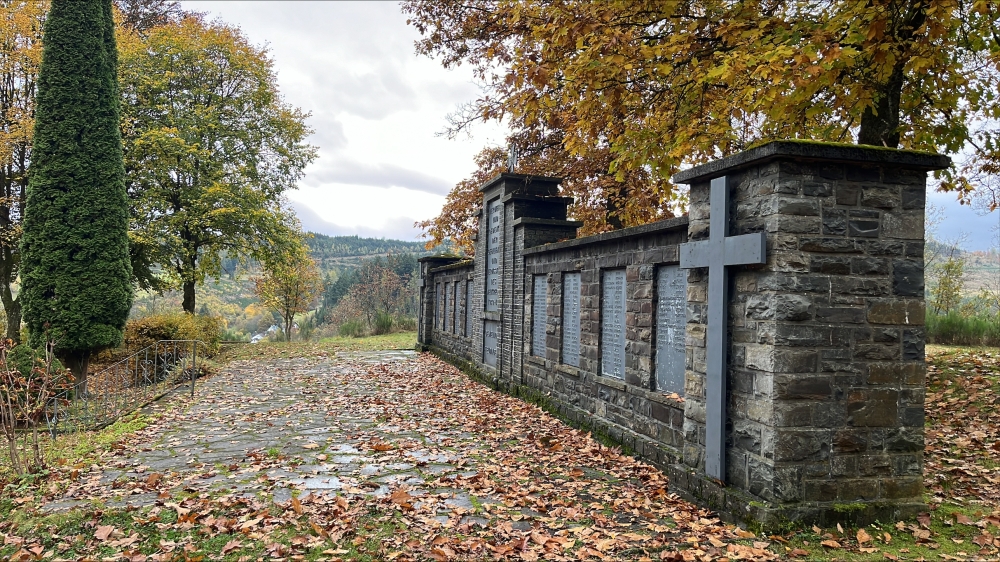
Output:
x=825 y=374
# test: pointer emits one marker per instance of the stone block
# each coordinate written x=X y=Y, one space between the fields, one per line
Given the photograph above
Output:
x=906 y=225
x=830 y=245
x=803 y=387
x=796 y=206
x=793 y=445
x=879 y=197
x=847 y=194
x=831 y=265
x=873 y=408
x=896 y=312
x=899 y=488
x=908 y=278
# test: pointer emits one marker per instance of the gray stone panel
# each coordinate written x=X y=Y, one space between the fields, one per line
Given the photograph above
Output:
x=491 y=342
x=539 y=315
x=468 y=309
x=494 y=255
x=449 y=308
x=613 y=324
x=671 y=320
x=571 y=320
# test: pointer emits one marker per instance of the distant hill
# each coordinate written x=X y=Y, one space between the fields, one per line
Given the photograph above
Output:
x=333 y=252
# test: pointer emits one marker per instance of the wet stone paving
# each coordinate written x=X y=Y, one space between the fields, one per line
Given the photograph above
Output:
x=403 y=433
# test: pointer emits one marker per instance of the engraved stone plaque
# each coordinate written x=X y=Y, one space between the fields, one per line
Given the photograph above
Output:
x=494 y=255
x=468 y=309
x=671 y=320
x=571 y=319
x=449 y=304
x=613 y=324
x=454 y=306
x=539 y=316
x=437 y=306
x=491 y=342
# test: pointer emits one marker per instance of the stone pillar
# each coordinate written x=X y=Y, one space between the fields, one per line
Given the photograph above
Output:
x=427 y=298
x=825 y=397
x=531 y=213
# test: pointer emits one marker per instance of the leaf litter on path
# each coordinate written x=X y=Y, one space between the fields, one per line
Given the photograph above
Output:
x=400 y=460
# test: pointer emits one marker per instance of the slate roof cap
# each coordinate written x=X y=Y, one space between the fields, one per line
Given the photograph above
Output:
x=814 y=150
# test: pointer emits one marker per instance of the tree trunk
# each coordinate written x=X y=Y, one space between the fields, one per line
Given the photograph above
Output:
x=188 y=297
x=12 y=309
x=880 y=121
x=78 y=362
x=288 y=327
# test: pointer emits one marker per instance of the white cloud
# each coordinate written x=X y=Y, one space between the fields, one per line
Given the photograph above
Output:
x=376 y=109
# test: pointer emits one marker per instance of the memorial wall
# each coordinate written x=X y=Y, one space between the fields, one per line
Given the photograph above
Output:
x=765 y=351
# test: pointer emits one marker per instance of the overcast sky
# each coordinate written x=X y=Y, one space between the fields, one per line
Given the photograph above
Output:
x=376 y=109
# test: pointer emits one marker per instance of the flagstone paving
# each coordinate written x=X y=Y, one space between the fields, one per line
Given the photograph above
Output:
x=462 y=470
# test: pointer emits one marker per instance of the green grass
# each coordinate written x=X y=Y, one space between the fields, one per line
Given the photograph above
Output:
x=957 y=329
x=332 y=345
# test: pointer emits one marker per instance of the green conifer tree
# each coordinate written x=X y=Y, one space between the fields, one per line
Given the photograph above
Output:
x=75 y=258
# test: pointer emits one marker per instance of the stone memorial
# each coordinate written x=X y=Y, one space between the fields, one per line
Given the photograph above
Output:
x=539 y=314
x=613 y=324
x=571 y=320
x=786 y=309
x=671 y=321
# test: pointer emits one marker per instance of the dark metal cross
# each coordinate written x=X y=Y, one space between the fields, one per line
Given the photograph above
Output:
x=716 y=253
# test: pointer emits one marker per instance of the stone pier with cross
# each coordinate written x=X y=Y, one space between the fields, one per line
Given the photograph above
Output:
x=766 y=350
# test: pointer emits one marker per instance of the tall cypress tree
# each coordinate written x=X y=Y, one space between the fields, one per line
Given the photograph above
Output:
x=75 y=259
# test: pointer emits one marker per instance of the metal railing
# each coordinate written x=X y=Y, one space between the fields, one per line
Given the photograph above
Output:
x=124 y=386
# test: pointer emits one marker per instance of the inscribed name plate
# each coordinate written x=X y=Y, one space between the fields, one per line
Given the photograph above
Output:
x=613 y=324
x=539 y=316
x=449 y=303
x=468 y=309
x=671 y=322
x=454 y=315
x=491 y=342
x=571 y=320
x=437 y=306
x=493 y=255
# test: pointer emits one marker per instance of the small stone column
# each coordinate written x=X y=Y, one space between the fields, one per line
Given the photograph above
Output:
x=825 y=397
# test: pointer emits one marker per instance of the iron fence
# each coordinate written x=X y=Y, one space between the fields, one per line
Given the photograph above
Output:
x=124 y=387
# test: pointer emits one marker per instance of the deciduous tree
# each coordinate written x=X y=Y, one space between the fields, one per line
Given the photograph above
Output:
x=289 y=286
x=210 y=148
x=661 y=85
x=75 y=267
x=20 y=55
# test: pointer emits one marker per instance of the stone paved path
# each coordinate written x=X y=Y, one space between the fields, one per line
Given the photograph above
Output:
x=458 y=469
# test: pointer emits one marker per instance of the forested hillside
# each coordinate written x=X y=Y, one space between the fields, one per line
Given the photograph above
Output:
x=231 y=296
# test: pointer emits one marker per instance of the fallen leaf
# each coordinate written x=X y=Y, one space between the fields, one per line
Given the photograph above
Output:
x=863 y=536
x=830 y=544
x=231 y=546
x=103 y=532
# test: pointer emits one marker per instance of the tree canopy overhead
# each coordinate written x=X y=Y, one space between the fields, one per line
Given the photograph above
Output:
x=210 y=150
x=661 y=84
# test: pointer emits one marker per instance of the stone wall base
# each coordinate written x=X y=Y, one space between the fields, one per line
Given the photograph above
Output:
x=731 y=504
x=737 y=506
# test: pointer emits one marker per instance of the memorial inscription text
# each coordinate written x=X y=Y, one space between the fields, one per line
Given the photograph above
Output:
x=571 y=319
x=613 y=324
x=671 y=321
x=539 y=315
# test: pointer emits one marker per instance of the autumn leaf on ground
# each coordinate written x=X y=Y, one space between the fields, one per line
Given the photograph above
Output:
x=863 y=536
x=103 y=532
x=830 y=544
x=231 y=546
